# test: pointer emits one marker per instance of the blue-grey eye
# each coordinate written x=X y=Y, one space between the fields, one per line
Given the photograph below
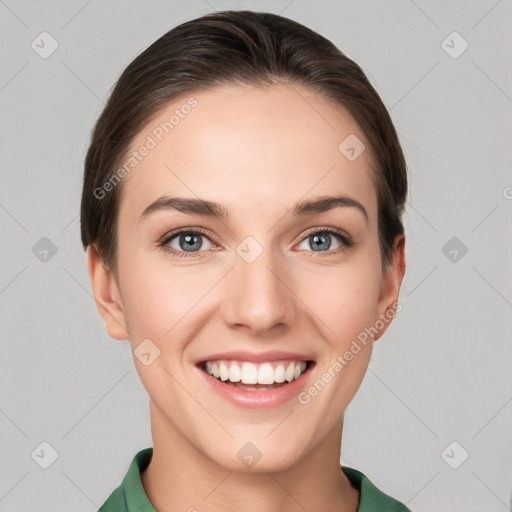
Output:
x=322 y=241
x=187 y=242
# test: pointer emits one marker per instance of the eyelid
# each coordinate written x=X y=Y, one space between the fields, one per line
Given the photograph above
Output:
x=171 y=234
x=328 y=229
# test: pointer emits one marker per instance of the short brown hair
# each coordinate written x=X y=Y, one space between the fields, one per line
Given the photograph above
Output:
x=245 y=47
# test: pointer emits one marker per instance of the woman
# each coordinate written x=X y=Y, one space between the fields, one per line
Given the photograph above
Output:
x=241 y=212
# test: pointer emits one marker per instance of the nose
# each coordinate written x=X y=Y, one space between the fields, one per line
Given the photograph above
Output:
x=257 y=296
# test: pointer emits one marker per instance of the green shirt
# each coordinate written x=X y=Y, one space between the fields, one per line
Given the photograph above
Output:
x=130 y=496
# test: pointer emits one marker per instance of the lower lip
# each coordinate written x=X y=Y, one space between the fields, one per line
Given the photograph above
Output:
x=263 y=399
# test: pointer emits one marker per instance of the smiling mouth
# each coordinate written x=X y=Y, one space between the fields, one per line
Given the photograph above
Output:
x=256 y=376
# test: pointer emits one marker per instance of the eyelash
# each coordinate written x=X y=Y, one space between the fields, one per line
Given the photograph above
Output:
x=346 y=240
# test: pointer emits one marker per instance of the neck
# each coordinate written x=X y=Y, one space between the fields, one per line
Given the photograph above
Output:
x=180 y=477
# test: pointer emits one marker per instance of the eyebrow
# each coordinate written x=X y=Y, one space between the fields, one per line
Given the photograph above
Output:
x=215 y=210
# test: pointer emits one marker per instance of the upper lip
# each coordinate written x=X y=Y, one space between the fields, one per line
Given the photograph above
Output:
x=253 y=357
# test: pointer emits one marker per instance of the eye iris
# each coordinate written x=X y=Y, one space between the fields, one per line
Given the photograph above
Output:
x=322 y=239
x=189 y=242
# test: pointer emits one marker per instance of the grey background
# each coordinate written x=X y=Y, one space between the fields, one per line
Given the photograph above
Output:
x=442 y=372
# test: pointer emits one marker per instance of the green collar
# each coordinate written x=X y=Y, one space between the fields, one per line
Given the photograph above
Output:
x=130 y=496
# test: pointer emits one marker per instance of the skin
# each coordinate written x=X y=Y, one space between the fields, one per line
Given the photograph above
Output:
x=257 y=152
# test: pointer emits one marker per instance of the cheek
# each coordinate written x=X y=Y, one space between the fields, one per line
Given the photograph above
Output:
x=345 y=309
x=161 y=302
x=156 y=302
x=344 y=299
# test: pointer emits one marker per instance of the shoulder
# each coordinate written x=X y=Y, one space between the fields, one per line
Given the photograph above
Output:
x=116 y=501
x=130 y=493
x=372 y=499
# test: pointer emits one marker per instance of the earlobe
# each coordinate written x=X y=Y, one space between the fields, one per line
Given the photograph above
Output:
x=107 y=296
x=391 y=283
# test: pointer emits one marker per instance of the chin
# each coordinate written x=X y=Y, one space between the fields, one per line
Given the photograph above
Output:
x=254 y=457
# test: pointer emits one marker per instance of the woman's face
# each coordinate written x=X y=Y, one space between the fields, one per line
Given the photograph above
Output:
x=266 y=280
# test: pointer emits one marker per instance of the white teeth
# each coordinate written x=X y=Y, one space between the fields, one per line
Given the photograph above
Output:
x=235 y=374
x=290 y=372
x=279 y=374
x=223 y=371
x=249 y=374
x=266 y=374
x=262 y=373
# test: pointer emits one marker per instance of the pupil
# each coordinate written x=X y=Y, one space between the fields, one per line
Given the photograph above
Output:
x=189 y=242
x=324 y=237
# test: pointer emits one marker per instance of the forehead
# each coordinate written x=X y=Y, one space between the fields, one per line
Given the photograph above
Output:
x=249 y=148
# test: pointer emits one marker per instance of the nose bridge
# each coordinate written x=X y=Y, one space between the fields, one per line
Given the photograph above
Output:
x=257 y=296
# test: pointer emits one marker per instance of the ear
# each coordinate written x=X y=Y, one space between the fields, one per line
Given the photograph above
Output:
x=107 y=296
x=391 y=282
